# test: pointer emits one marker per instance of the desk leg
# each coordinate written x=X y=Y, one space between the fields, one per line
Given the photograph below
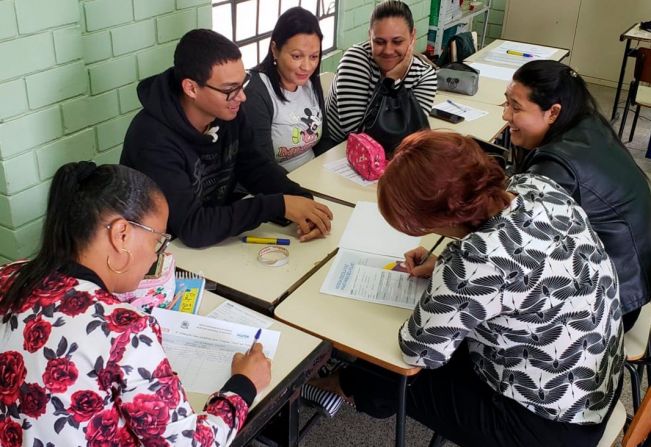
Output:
x=401 y=415
x=621 y=79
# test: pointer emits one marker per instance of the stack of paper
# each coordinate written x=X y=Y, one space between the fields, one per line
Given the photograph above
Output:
x=368 y=249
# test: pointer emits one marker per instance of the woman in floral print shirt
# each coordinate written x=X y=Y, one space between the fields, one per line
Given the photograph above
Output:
x=77 y=366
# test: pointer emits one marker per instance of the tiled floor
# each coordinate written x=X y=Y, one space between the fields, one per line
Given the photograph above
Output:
x=350 y=428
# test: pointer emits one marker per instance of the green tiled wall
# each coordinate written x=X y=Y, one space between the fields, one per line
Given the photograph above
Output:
x=68 y=91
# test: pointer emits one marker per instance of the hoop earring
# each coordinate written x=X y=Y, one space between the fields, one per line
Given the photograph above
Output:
x=126 y=266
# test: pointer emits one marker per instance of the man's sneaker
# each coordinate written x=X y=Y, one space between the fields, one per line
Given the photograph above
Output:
x=328 y=401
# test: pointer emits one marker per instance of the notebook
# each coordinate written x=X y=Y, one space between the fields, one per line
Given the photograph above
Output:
x=188 y=293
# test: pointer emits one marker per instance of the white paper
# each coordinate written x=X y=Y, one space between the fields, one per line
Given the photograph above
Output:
x=469 y=113
x=362 y=276
x=235 y=313
x=367 y=231
x=344 y=169
x=200 y=349
x=494 y=72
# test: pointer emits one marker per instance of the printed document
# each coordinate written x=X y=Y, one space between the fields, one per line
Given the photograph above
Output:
x=365 y=265
x=344 y=169
x=200 y=349
x=469 y=113
x=236 y=313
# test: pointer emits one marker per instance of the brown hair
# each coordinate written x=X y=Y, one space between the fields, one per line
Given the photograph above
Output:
x=440 y=179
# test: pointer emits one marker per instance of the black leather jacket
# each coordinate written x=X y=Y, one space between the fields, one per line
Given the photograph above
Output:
x=601 y=175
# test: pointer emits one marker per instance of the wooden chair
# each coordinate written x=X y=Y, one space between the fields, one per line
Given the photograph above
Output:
x=638 y=432
x=639 y=93
x=638 y=352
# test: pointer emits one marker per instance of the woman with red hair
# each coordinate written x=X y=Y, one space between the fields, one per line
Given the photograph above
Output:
x=520 y=329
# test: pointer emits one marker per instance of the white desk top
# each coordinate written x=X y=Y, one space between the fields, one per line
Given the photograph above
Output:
x=636 y=33
x=293 y=348
x=234 y=264
x=316 y=178
x=365 y=330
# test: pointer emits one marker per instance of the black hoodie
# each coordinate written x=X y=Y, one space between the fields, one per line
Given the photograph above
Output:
x=197 y=174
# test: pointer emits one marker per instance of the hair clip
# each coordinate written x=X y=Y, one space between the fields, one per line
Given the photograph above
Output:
x=573 y=73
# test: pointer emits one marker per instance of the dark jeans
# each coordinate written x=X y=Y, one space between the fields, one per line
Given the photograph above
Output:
x=455 y=403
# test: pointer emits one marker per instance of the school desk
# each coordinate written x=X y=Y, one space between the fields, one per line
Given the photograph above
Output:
x=298 y=357
x=323 y=182
x=633 y=33
x=234 y=267
x=365 y=330
x=480 y=55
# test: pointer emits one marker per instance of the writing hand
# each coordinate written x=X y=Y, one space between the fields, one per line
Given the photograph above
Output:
x=253 y=365
x=414 y=263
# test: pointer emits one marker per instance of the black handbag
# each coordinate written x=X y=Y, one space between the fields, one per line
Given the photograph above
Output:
x=392 y=114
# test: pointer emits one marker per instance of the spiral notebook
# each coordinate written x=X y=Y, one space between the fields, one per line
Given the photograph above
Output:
x=188 y=293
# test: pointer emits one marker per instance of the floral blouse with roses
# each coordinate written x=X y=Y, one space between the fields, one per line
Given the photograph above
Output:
x=78 y=367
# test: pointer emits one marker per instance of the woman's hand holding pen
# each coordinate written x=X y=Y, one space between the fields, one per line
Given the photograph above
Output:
x=253 y=365
x=418 y=262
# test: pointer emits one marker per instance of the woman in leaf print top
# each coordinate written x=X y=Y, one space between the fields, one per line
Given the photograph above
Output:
x=77 y=366
x=520 y=330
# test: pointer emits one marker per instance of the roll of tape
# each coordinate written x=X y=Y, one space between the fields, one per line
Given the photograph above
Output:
x=273 y=256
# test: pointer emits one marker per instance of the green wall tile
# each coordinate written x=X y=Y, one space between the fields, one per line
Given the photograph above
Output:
x=18 y=173
x=155 y=60
x=111 y=133
x=4 y=260
x=135 y=36
x=80 y=146
x=112 y=156
x=204 y=17
x=128 y=97
x=27 y=55
x=144 y=9
x=105 y=13
x=14 y=98
x=29 y=131
x=180 y=4
x=96 y=46
x=67 y=44
x=87 y=111
x=173 y=26
x=21 y=243
x=8 y=26
x=25 y=206
x=111 y=74
x=37 y=15
x=348 y=5
x=56 y=84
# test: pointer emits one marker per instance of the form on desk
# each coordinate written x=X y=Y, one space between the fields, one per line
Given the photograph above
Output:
x=200 y=349
x=363 y=268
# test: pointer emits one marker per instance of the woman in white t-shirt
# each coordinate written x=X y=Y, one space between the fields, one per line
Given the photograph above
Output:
x=284 y=106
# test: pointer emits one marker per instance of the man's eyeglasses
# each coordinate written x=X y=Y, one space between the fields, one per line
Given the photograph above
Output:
x=231 y=93
x=163 y=240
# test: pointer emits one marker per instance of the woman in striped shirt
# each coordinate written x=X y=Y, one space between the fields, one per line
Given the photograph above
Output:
x=388 y=54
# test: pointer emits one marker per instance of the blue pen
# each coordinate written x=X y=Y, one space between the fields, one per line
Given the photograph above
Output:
x=256 y=338
x=449 y=101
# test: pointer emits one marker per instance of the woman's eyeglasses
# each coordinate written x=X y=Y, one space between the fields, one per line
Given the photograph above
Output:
x=231 y=93
x=163 y=240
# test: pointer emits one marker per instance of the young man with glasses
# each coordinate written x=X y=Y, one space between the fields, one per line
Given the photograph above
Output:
x=191 y=138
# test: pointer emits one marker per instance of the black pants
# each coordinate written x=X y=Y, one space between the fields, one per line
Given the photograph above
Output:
x=455 y=403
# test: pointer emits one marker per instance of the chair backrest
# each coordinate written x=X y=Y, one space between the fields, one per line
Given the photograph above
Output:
x=640 y=427
x=326 y=81
x=643 y=65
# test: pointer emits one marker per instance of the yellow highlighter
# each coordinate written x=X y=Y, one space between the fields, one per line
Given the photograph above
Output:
x=264 y=240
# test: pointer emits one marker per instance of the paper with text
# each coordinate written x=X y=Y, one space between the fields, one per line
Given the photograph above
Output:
x=235 y=313
x=367 y=231
x=493 y=71
x=362 y=276
x=469 y=113
x=200 y=349
x=343 y=168
x=501 y=56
